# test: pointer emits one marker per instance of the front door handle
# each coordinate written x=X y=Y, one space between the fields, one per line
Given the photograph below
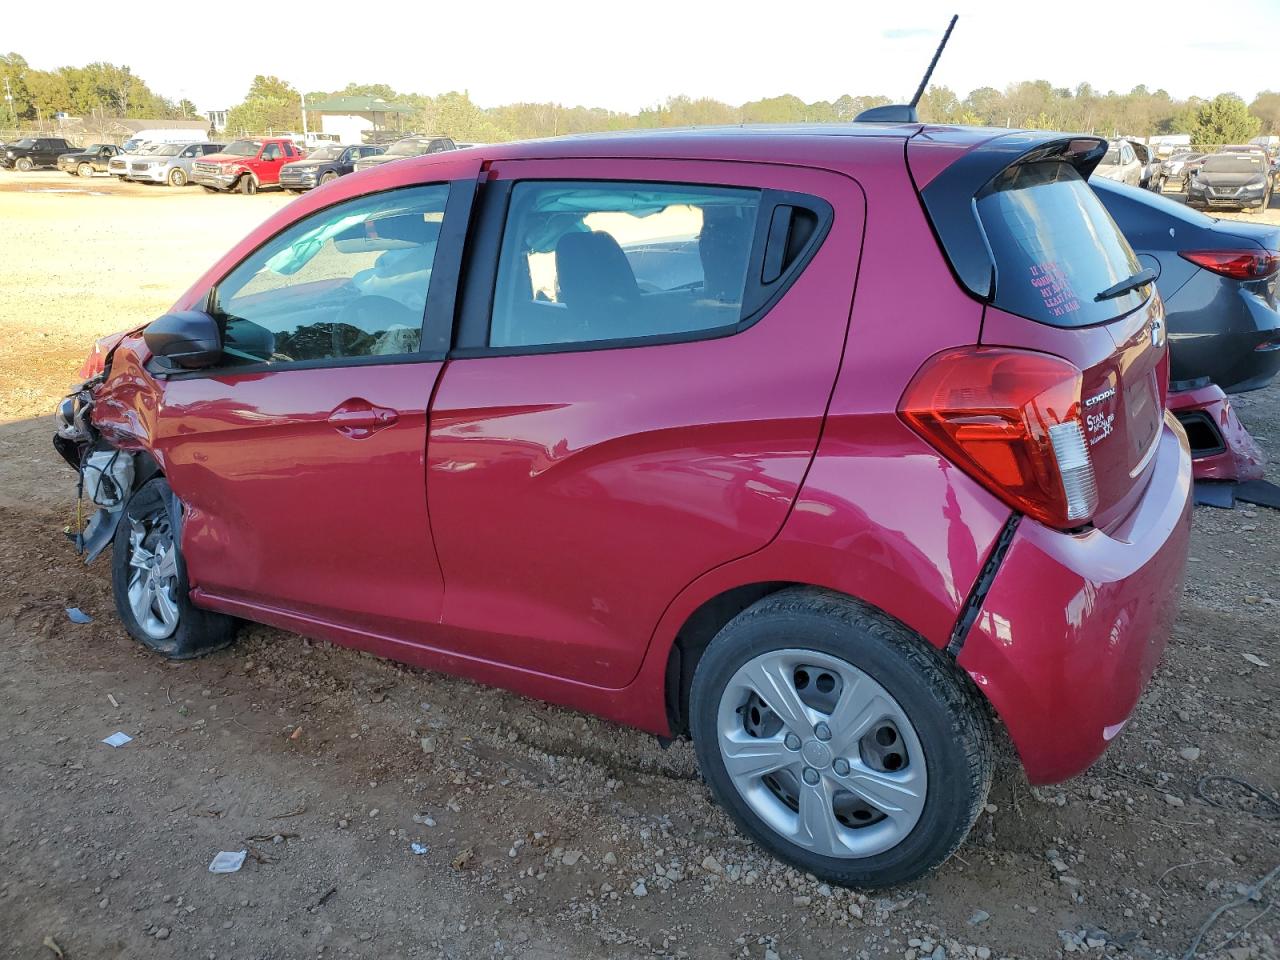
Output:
x=357 y=418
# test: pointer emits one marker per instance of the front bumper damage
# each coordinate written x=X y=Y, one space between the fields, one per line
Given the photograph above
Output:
x=108 y=468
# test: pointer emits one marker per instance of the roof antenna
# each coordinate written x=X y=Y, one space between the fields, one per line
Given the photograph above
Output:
x=906 y=112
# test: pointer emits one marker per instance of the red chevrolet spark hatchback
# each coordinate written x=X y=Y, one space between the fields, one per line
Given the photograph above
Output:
x=810 y=443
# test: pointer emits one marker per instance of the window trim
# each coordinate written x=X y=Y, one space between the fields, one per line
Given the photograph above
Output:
x=438 y=313
x=480 y=273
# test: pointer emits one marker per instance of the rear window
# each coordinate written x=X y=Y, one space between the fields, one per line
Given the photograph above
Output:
x=1055 y=247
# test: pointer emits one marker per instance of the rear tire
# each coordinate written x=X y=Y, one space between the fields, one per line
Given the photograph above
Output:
x=149 y=580
x=860 y=754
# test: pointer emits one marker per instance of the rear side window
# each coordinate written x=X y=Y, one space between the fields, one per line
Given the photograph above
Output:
x=590 y=262
x=1055 y=247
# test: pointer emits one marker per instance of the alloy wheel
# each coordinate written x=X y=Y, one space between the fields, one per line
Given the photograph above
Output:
x=153 y=574
x=822 y=753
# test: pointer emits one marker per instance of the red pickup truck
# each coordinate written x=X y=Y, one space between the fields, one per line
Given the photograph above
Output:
x=246 y=165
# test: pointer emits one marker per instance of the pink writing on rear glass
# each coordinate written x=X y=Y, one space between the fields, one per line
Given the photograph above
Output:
x=1059 y=298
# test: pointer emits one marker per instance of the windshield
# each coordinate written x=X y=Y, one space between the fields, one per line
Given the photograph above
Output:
x=95 y=147
x=171 y=150
x=1237 y=164
x=407 y=148
x=1113 y=156
x=243 y=148
x=24 y=142
x=327 y=152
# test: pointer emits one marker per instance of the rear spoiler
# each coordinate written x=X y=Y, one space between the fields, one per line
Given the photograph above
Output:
x=950 y=198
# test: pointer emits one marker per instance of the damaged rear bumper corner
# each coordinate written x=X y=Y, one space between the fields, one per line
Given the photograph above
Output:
x=1074 y=625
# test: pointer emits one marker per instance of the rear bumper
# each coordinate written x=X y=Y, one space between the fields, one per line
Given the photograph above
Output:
x=1074 y=625
x=1224 y=330
x=1221 y=448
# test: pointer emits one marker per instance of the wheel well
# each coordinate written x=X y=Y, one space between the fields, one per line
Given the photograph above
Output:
x=693 y=637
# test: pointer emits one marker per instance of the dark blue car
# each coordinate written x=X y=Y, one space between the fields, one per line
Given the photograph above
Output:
x=1218 y=279
x=323 y=164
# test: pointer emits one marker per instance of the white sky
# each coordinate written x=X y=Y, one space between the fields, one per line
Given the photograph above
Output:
x=633 y=54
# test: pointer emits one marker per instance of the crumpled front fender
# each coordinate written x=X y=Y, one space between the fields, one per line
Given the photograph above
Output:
x=126 y=404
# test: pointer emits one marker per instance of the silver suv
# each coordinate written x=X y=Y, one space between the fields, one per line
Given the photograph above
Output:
x=169 y=163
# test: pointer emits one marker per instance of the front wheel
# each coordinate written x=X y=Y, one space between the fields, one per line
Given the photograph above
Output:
x=839 y=741
x=85 y=170
x=24 y=164
x=177 y=177
x=248 y=185
x=149 y=580
x=328 y=178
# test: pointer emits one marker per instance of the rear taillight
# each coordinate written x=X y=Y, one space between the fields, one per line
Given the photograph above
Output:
x=1237 y=264
x=1011 y=419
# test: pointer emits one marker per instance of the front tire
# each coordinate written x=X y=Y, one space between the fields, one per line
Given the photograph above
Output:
x=85 y=170
x=838 y=740
x=149 y=580
x=177 y=177
x=328 y=178
x=248 y=185
x=24 y=164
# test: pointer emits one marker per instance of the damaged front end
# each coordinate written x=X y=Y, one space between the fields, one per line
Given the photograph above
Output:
x=108 y=467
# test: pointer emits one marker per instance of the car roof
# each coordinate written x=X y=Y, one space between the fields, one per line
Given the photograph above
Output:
x=778 y=142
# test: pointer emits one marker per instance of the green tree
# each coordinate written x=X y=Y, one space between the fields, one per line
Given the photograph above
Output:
x=13 y=68
x=272 y=106
x=1266 y=107
x=1224 y=119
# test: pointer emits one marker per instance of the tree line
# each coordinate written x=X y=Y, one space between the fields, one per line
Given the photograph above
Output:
x=271 y=104
x=96 y=90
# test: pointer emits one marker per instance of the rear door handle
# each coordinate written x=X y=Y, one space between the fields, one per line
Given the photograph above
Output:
x=357 y=418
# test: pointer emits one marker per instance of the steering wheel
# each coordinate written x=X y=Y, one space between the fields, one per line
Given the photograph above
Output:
x=367 y=317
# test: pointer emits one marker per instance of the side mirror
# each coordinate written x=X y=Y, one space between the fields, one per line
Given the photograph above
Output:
x=189 y=339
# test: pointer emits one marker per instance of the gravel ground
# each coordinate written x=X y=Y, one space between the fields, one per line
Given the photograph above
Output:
x=546 y=833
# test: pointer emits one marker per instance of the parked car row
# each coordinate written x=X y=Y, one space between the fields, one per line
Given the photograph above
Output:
x=245 y=165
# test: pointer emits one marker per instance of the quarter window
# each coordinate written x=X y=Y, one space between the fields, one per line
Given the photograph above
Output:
x=588 y=262
x=349 y=281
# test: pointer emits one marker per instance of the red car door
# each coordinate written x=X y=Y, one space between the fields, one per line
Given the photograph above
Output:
x=643 y=405
x=266 y=167
x=301 y=459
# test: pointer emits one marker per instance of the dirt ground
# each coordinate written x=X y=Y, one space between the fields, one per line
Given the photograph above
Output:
x=547 y=834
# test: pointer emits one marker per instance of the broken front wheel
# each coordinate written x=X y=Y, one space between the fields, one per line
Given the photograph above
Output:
x=149 y=579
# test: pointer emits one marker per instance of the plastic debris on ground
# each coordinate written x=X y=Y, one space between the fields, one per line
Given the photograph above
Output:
x=227 y=861
x=418 y=848
x=117 y=739
x=76 y=615
x=1224 y=494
